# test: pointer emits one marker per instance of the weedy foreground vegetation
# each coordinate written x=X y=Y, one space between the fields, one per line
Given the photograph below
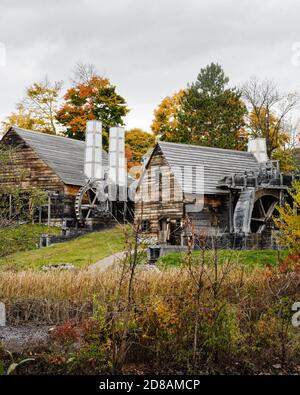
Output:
x=201 y=317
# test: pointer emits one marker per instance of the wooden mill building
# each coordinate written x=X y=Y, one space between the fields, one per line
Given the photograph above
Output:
x=217 y=191
x=51 y=163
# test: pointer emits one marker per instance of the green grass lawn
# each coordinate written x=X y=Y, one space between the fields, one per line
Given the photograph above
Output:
x=88 y=249
x=23 y=237
x=80 y=252
x=248 y=257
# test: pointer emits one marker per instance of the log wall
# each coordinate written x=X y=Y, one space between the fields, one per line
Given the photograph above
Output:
x=215 y=215
x=154 y=200
x=25 y=170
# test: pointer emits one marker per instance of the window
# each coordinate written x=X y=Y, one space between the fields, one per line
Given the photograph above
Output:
x=160 y=186
x=172 y=187
x=145 y=225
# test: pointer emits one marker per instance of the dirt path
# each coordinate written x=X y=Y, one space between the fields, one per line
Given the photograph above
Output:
x=105 y=263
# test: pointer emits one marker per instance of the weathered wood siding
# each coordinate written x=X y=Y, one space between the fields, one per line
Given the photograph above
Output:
x=215 y=215
x=154 y=199
x=71 y=190
x=27 y=169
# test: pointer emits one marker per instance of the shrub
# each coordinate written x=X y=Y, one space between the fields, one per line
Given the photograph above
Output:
x=246 y=328
x=289 y=220
x=22 y=237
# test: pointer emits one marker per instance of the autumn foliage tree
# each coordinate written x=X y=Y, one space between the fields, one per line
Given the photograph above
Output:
x=165 y=123
x=287 y=159
x=137 y=144
x=288 y=221
x=91 y=98
x=21 y=117
x=265 y=123
x=37 y=110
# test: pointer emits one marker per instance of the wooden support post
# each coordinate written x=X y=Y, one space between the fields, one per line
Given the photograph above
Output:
x=10 y=207
x=125 y=212
x=49 y=209
x=230 y=213
x=281 y=197
x=40 y=215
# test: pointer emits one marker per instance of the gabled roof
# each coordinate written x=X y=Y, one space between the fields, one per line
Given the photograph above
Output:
x=217 y=163
x=65 y=156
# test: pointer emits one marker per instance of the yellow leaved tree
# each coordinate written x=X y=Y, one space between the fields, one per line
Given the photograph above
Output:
x=267 y=125
x=288 y=221
x=164 y=124
x=37 y=110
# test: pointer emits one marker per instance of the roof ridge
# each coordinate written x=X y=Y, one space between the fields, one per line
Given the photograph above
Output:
x=205 y=147
x=16 y=128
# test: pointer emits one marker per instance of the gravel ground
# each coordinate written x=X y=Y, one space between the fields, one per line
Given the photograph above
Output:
x=17 y=339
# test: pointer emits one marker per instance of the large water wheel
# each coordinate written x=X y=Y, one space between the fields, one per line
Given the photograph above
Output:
x=262 y=213
x=254 y=210
x=91 y=202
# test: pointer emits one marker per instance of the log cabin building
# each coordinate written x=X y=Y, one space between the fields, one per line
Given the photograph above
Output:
x=232 y=194
x=50 y=163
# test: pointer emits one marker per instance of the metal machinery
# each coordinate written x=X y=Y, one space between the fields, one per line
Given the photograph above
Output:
x=256 y=195
x=106 y=177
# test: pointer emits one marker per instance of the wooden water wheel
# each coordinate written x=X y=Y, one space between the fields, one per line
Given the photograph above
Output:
x=91 y=202
x=263 y=210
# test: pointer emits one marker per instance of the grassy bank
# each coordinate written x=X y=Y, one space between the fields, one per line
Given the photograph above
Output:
x=21 y=241
x=80 y=252
x=23 y=237
x=251 y=258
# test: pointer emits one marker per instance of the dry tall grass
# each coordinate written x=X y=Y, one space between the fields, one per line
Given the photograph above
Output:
x=50 y=297
x=230 y=316
x=83 y=284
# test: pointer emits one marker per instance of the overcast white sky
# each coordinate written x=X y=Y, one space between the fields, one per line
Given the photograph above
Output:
x=148 y=48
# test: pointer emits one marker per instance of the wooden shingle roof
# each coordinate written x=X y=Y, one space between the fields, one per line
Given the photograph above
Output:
x=217 y=163
x=63 y=155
